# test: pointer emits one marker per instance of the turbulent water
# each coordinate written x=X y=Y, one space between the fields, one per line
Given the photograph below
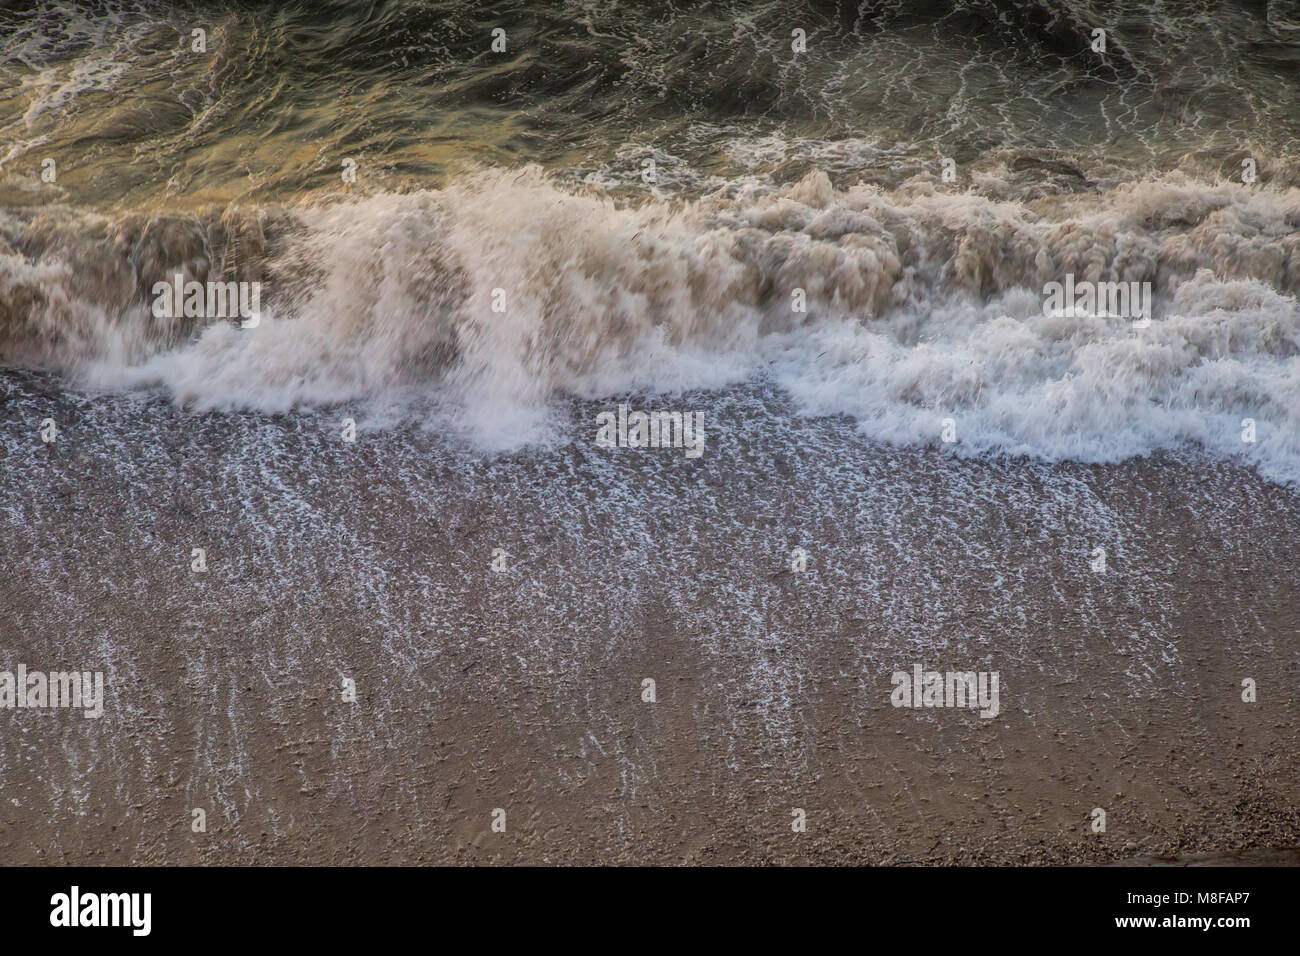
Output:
x=631 y=198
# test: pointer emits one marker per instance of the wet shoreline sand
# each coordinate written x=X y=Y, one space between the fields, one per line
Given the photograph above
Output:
x=522 y=690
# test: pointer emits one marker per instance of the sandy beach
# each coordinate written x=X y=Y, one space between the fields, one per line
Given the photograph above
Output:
x=523 y=689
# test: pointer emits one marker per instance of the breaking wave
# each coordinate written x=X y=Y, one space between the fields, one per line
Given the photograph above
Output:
x=922 y=304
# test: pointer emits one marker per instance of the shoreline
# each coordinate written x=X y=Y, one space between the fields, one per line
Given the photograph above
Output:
x=522 y=690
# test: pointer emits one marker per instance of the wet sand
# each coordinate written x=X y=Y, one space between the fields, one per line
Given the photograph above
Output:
x=522 y=690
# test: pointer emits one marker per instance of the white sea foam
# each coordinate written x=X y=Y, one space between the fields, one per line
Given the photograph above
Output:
x=921 y=305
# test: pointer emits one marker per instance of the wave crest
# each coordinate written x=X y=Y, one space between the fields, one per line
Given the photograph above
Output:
x=920 y=304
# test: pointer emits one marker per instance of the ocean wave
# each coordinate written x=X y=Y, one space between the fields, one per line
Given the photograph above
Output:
x=508 y=289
